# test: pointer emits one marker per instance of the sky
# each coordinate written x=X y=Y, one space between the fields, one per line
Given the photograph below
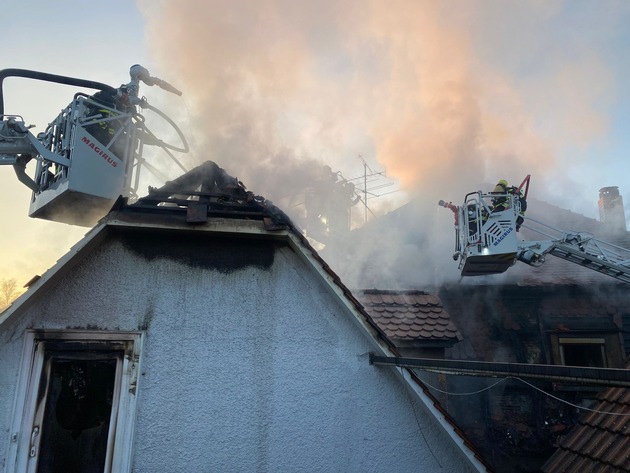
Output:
x=441 y=95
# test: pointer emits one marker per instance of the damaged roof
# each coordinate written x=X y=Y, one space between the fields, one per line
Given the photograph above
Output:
x=601 y=441
x=203 y=192
x=410 y=315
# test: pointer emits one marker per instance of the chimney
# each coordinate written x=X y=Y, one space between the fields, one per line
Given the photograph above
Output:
x=611 y=211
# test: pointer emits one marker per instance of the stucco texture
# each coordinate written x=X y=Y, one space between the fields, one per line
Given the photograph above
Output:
x=245 y=367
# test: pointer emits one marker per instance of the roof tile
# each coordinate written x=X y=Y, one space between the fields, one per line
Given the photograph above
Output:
x=601 y=442
x=412 y=315
x=615 y=454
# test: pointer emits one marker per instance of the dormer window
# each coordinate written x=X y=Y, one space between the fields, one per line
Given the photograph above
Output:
x=589 y=352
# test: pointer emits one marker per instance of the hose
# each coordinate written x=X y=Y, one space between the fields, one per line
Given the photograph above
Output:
x=4 y=73
x=73 y=81
x=175 y=127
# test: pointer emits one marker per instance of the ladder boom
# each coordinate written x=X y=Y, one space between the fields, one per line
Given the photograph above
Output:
x=578 y=248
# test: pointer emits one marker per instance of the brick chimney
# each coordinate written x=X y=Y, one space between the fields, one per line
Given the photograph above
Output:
x=611 y=210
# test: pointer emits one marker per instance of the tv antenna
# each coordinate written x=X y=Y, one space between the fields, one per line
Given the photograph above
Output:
x=371 y=181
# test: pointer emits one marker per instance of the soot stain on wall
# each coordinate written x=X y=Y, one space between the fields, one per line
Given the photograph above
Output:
x=147 y=318
x=198 y=250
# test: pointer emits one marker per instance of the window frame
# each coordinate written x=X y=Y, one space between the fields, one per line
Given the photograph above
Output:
x=600 y=341
x=39 y=342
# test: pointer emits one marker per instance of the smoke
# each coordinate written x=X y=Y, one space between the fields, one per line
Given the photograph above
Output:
x=444 y=95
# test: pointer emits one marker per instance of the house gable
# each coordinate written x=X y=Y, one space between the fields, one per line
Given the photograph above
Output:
x=250 y=361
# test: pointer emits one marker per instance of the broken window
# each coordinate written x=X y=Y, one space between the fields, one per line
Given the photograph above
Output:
x=589 y=352
x=79 y=398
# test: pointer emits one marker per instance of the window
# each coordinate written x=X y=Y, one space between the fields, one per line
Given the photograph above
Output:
x=75 y=404
x=589 y=352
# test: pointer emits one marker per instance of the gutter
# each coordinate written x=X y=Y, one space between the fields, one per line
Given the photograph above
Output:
x=608 y=377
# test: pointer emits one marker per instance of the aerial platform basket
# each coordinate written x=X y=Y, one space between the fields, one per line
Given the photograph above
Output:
x=487 y=242
x=98 y=143
x=90 y=155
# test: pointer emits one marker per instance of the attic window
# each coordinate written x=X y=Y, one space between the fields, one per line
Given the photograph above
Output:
x=76 y=402
x=589 y=352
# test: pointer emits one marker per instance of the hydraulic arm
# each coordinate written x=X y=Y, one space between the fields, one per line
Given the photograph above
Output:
x=579 y=248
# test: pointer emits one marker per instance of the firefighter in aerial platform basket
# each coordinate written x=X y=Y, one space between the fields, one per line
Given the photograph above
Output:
x=502 y=203
x=102 y=104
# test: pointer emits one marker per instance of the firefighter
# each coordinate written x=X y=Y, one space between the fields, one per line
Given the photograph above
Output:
x=104 y=131
x=502 y=203
x=518 y=194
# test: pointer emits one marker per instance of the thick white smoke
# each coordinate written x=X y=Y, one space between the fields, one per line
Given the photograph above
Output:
x=277 y=88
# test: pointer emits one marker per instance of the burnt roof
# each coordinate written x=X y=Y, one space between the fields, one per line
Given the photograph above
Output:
x=206 y=191
x=601 y=441
x=409 y=315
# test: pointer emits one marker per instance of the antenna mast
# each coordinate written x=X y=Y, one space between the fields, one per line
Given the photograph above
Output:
x=370 y=176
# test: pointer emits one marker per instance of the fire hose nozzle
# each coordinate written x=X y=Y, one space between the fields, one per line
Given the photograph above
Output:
x=137 y=72
x=454 y=209
x=162 y=84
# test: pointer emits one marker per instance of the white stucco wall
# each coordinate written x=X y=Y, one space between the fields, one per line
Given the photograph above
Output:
x=249 y=370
